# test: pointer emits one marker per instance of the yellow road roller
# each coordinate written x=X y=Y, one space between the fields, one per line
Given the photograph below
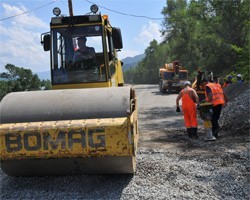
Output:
x=88 y=123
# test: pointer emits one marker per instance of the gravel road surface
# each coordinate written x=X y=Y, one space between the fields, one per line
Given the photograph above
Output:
x=169 y=164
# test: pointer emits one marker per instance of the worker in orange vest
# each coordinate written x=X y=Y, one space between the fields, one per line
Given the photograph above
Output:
x=214 y=94
x=189 y=100
x=228 y=81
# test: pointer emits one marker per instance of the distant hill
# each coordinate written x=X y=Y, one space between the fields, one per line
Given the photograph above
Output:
x=129 y=62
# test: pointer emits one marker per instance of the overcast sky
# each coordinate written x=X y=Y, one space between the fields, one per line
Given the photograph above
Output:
x=20 y=35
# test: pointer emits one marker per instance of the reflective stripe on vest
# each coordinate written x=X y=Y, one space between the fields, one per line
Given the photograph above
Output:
x=217 y=93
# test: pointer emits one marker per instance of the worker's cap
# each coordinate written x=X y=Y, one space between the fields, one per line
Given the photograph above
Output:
x=82 y=38
x=186 y=83
x=239 y=75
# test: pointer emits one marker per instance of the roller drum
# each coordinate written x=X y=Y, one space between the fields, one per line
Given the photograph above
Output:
x=52 y=105
x=71 y=104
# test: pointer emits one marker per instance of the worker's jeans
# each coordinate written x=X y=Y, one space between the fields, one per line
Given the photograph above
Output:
x=216 y=115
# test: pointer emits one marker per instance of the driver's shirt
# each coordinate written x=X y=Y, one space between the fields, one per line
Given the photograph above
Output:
x=81 y=55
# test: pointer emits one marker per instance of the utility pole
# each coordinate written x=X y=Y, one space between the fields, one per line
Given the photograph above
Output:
x=70 y=8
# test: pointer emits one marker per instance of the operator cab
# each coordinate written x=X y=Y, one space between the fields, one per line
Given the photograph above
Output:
x=73 y=64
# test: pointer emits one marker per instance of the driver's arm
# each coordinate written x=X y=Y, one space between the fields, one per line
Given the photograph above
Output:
x=92 y=52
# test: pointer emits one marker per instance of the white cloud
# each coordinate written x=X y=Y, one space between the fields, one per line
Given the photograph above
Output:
x=127 y=53
x=20 y=41
x=148 y=33
x=28 y=20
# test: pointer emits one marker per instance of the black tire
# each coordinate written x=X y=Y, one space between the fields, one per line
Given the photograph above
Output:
x=160 y=86
x=170 y=88
x=164 y=91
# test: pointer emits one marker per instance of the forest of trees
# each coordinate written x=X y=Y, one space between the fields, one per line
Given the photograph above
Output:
x=20 y=79
x=211 y=35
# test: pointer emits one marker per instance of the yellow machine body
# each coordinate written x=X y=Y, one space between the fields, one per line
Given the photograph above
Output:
x=103 y=146
x=88 y=123
x=54 y=139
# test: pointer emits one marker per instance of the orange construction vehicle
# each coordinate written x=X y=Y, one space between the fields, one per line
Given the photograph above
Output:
x=172 y=76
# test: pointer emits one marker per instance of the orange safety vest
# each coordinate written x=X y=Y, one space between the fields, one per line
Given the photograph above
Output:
x=225 y=84
x=217 y=92
x=187 y=100
x=189 y=109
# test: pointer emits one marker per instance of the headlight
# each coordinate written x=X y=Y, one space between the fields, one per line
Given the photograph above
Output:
x=56 y=11
x=94 y=8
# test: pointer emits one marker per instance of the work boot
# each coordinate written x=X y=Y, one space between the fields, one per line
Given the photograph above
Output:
x=215 y=133
x=189 y=132
x=194 y=133
x=209 y=135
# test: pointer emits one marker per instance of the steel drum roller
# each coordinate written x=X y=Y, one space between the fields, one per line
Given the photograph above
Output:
x=65 y=105
x=59 y=105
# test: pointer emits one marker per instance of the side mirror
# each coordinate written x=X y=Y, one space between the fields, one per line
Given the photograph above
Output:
x=117 y=38
x=45 y=41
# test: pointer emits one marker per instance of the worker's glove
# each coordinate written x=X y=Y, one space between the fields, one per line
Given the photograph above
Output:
x=178 y=109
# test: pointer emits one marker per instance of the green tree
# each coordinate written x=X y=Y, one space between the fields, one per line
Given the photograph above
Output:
x=208 y=34
x=46 y=84
x=24 y=79
x=18 y=79
x=148 y=69
x=211 y=35
x=5 y=88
